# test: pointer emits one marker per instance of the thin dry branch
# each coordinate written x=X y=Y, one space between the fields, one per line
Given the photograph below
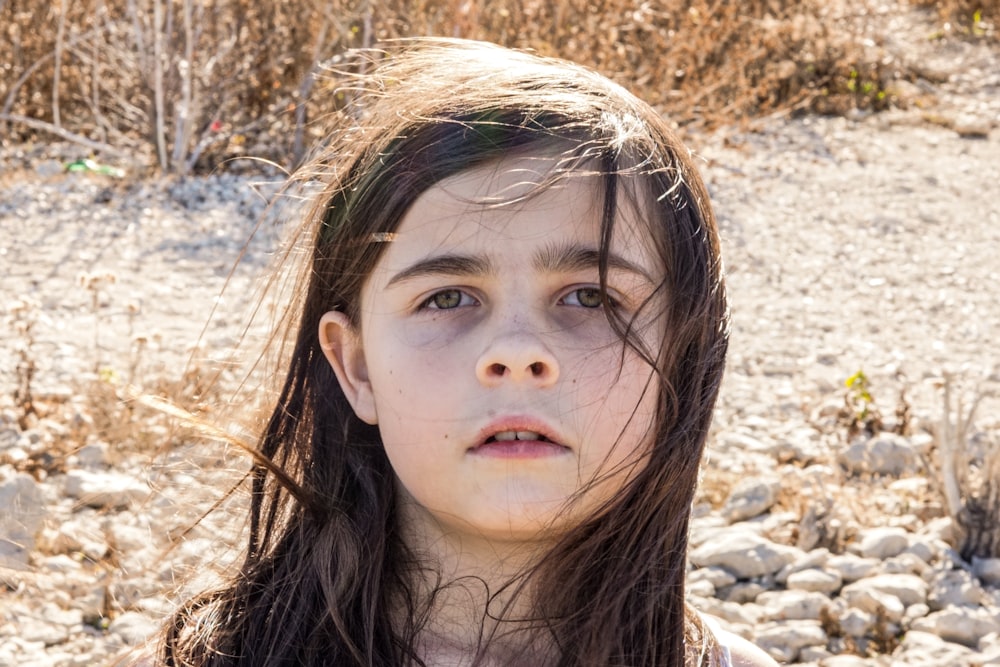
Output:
x=64 y=134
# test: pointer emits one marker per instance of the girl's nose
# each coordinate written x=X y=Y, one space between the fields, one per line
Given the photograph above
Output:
x=518 y=358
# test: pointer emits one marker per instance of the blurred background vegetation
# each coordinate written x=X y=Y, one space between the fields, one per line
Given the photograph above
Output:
x=182 y=85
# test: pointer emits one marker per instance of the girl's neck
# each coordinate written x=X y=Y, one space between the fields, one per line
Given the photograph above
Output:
x=477 y=594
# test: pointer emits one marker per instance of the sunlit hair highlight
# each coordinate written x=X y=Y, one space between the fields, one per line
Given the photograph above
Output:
x=327 y=578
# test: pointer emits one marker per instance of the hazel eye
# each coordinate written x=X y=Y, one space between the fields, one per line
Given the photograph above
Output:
x=587 y=297
x=448 y=299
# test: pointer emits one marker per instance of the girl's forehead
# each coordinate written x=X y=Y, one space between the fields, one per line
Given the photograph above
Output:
x=519 y=197
x=516 y=212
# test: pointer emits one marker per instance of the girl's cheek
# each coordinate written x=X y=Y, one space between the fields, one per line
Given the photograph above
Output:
x=436 y=333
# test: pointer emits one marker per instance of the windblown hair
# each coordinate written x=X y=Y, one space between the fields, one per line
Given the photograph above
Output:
x=327 y=578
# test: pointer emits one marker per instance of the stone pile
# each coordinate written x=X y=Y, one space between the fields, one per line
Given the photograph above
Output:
x=86 y=567
x=890 y=590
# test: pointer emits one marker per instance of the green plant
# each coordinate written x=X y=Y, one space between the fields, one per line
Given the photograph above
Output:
x=860 y=413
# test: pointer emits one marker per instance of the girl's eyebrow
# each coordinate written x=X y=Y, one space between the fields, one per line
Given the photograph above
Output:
x=551 y=259
x=573 y=257
x=445 y=265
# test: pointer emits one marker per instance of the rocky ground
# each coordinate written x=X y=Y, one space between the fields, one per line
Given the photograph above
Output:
x=852 y=244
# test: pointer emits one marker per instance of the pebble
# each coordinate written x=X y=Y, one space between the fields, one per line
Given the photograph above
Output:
x=22 y=509
x=961 y=625
x=104 y=490
x=745 y=554
x=816 y=580
x=955 y=588
x=784 y=639
x=751 y=497
x=133 y=627
x=795 y=605
x=988 y=570
x=907 y=588
x=884 y=454
x=882 y=543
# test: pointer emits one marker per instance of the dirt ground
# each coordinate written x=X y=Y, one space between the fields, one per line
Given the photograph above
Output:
x=866 y=243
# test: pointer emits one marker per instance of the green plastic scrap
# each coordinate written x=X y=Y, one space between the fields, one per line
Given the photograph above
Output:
x=92 y=166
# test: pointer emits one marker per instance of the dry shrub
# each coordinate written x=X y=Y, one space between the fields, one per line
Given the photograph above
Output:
x=188 y=83
x=964 y=12
x=970 y=480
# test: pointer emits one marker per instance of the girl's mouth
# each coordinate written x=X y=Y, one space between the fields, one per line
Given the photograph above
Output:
x=519 y=443
x=508 y=436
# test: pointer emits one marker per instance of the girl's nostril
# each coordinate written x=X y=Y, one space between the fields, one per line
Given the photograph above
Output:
x=537 y=368
x=498 y=369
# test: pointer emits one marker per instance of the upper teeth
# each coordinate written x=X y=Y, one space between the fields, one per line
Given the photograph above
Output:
x=517 y=435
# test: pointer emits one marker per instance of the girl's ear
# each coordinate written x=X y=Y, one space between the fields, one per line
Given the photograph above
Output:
x=341 y=345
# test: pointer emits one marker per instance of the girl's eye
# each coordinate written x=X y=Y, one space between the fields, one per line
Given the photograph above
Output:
x=448 y=299
x=587 y=297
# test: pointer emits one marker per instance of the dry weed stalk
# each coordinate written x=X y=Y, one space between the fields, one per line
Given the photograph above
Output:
x=193 y=82
x=972 y=494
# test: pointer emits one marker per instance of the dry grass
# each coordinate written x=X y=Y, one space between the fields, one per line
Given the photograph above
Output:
x=964 y=12
x=185 y=84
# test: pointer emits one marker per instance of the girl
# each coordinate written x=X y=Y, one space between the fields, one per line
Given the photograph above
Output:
x=511 y=337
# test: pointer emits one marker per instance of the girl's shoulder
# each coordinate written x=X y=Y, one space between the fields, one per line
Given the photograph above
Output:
x=743 y=653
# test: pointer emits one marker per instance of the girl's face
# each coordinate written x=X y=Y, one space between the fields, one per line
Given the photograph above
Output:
x=484 y=355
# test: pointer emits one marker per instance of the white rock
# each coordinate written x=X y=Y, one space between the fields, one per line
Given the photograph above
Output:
x=741 y=592
x=913 y=612
x=820 y=581
x=940 y=530
x=884 y=454
x=717 y=576
x=128 y=538
x=745 y=554
x=882 y=543
x=126 y=594
x=844 y=661
x=851 y=567
x=731 y=612
x=813 y=654
x=925 y=649
x=133 y=627
x=104 y=490
x=60 y=563
x=702 y=588
x=816 y=558
x=905 y=563
x=855 y=622
x=751 y=497
x=908 y=588
x=81 y=533
x=990 y=644
x=972 y=126
x=874 y=602
x=94 y=455
x=922 y=548
x=38 y=630
x=954 y=587
x=792 y=605
x=961 y=625
x=789 y=637
x=988 y=570
x=21 y=512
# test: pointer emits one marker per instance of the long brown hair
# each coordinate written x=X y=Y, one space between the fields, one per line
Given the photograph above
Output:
x=327 y=578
